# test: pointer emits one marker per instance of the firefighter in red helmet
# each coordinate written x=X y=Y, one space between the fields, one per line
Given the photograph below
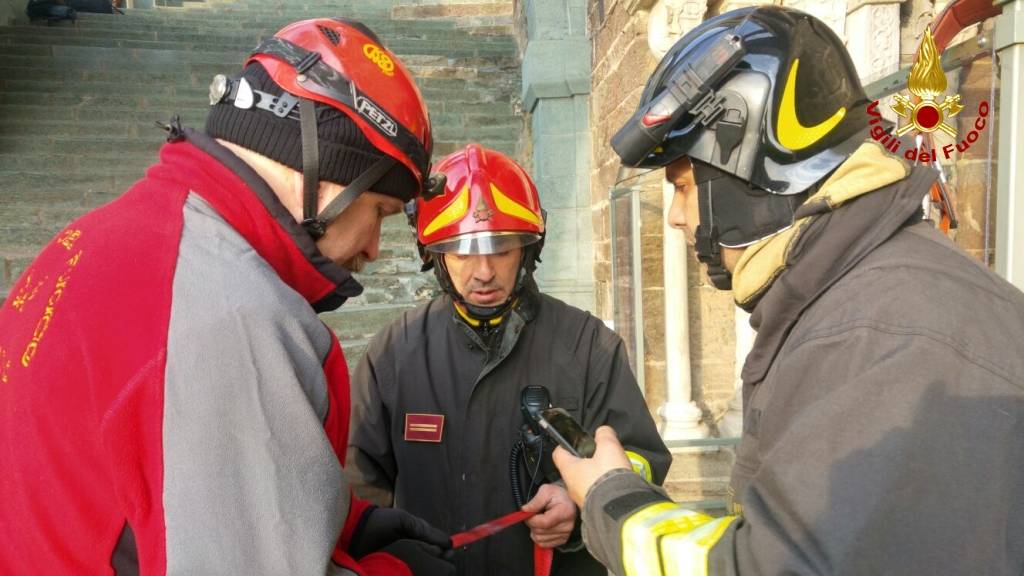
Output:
x=490 y=207
x=183 y=410
x=437 y=424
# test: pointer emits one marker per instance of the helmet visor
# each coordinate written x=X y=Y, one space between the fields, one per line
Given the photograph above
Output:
x=484 y=243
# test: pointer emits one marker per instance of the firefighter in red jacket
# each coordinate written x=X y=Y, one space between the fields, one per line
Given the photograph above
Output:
x=169 y=401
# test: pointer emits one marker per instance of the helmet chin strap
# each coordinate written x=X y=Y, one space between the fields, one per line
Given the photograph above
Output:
x=709 y=251
x=316 y=223
x=483 y=317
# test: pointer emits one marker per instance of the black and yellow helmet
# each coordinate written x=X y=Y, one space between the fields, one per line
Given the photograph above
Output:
x=768 y=94
x=766 y=103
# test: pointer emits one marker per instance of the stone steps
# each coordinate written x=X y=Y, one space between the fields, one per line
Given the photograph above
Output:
x=78 y=102
x=221 y=51
x=232 y=20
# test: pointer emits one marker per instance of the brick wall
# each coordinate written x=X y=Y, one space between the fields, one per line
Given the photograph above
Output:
x=621 y=63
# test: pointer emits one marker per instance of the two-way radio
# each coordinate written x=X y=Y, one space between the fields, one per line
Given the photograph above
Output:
x=544 y=427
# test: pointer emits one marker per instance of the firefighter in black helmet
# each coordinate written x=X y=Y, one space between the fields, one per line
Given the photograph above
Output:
x=765 y=104
x=883 y=395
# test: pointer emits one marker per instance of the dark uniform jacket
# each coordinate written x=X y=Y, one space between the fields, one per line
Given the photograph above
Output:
x=883 y=409
x=430 y=362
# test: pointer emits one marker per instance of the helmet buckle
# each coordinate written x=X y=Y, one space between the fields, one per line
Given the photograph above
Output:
x=280 y=106
x=315 y=227
x=729 y=132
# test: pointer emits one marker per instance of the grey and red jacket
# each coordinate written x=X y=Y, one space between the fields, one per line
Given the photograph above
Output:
x=169 y=401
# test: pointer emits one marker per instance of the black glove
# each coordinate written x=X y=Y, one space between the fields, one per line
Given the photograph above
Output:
x=380 y=527
x=422 y=559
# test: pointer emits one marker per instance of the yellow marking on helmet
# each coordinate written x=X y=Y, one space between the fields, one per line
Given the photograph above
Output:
x=455 y=211
x=377 y=55
x=513 y=208
x=640 y=465
x=792 y=134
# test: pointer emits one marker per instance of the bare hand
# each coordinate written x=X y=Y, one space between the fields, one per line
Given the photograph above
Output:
x=556 y=516
x=580 y=474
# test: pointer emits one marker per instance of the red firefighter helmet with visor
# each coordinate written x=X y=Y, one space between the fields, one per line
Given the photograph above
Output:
x=489 y=205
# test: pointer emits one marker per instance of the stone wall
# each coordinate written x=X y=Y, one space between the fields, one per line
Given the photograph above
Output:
x=621 y=62
x=478 y=14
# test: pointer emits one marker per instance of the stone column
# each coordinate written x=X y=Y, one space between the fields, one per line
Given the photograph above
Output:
x=681 y=415
x=668 y=21
x=556 y=89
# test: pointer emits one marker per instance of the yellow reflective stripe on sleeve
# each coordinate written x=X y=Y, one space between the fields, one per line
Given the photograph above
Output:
x=513 y=208
x=642 y=532
x=456 y=210
x=687 y=552
x=640 y=465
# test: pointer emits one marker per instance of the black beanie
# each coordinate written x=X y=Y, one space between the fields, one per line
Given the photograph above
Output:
x=345 y=152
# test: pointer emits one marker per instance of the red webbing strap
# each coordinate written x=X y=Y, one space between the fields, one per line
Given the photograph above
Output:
x=489 y=528
x=541 y=556
x=542 y=560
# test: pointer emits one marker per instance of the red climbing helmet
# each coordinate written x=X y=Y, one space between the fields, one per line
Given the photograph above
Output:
x=330 y=65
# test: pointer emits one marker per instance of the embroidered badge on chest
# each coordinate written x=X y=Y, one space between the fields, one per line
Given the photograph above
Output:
x=423 y=427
